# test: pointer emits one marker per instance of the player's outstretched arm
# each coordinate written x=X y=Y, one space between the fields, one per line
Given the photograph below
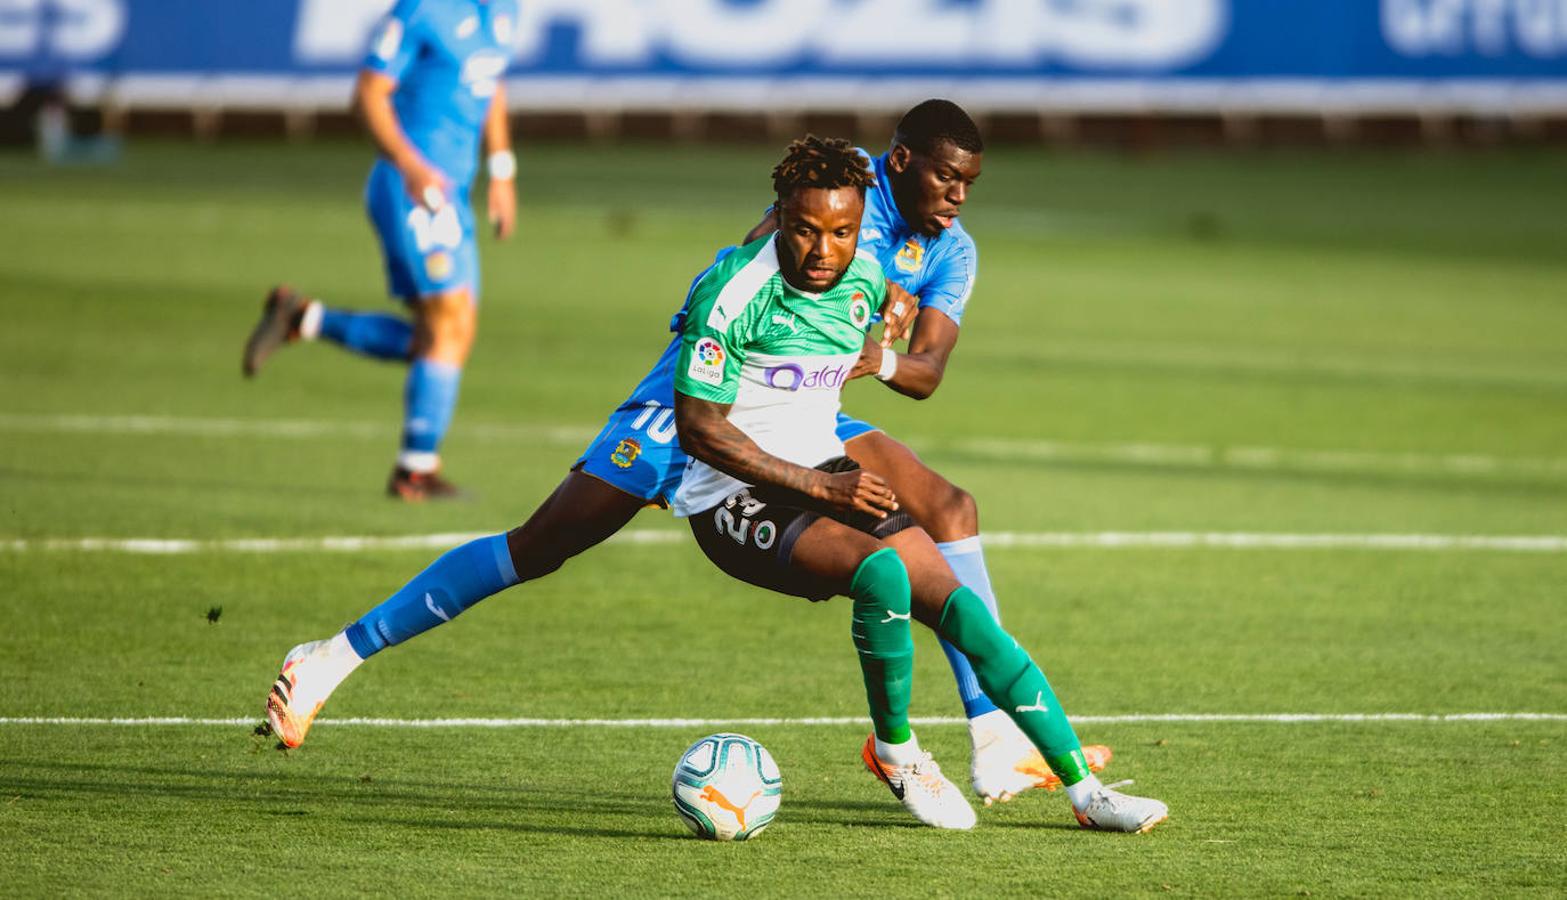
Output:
x=501 y=165
x=918 y=372
x=707 y=434
x=768 y=225
x=373 y=100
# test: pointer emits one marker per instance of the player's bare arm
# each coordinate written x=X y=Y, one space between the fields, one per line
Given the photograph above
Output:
x=373 y=99
x=501 y=166
x=919 y=371
x=707 y=434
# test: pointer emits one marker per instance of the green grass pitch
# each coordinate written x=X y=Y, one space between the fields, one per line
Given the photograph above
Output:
x=1293 y=344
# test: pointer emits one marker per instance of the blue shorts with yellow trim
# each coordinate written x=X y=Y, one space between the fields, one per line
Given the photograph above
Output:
x=426 y=253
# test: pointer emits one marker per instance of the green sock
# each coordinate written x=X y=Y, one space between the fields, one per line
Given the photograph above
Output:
x=1012 y=681
x=880 y=589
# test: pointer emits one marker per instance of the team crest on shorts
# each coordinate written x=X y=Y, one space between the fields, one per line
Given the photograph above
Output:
x=626 y=453
x=859 y=310
x=911 y=257
x=438 y=265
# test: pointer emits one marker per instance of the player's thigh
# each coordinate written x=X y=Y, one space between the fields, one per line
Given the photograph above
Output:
x=944 y=510
x=582 y=513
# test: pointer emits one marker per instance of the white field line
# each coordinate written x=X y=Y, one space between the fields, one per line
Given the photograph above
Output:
x=1151 y=454
x=859 y=721
x=1063 y=540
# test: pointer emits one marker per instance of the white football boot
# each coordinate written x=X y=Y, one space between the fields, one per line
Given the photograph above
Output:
x=1108 y=810
x=1006 y=763
x=310 y=673
x=923 y=790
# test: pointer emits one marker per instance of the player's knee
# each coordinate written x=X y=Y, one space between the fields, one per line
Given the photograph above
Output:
x=883 y=580
x=954 y=515
x=446 y=327
x=532 y=558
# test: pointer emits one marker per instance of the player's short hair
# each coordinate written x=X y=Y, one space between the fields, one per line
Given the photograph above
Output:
x=814 y=162
x=934 y=121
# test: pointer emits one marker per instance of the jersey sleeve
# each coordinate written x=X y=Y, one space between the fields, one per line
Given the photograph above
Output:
x=952 y=280
x=712 y=345
x=395 y=42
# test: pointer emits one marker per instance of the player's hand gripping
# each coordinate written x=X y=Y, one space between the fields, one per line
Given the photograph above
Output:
x=898 y=312
x=869 y=362
x=425 y=183
x=861 y=491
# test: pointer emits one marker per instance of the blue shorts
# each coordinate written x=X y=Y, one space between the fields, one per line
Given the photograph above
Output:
x=638 y=451
x=425 y=253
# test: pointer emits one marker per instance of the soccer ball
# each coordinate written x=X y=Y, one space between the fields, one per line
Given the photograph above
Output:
x=727 y=787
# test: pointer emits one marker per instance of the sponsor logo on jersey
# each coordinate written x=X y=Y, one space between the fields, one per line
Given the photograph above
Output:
x=626 y=453
x=707 y=362
x=438 y=265
x=870 y=234
x=859 y=310
x=792 y=377
x=911 y=257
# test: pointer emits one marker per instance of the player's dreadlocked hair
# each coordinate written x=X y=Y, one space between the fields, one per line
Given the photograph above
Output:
x=934 y=121
x=814 y=162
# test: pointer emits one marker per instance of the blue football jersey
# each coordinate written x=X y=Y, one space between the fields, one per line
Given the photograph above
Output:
x=448 y=57
x=939 y=270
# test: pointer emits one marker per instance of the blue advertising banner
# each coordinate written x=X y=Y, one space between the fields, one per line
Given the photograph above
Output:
x=738 y=53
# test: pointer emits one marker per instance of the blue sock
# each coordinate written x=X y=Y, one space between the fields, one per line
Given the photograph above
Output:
x=429 y=397
x=377 y=335
x=967 y=559
x=460 y=578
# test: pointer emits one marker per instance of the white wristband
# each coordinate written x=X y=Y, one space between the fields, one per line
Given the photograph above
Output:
x=502 y=165
x=889 y=365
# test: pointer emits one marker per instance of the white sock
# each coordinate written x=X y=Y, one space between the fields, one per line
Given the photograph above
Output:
x=904 y=754
x=328 y=668
x=1083 y=791
x=419 y=461
x=310 y=321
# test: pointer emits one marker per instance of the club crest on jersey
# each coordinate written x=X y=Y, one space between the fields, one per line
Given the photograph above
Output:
x=438 y=265
x=626 y=453
x=911 y=257
x=859 y=310
x=707 y=362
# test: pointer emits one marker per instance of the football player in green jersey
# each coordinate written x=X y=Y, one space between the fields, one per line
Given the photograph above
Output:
x=771 y=334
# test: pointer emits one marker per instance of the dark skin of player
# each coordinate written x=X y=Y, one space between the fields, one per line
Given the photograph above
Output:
x=584 y=511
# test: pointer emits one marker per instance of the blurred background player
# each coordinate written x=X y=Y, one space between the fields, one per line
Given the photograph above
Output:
x=430 y=89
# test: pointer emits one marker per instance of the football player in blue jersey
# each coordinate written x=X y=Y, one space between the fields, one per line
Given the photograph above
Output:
x=910 y=225
x=429 y=92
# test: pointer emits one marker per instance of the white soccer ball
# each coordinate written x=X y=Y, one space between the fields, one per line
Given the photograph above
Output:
x=727 y=787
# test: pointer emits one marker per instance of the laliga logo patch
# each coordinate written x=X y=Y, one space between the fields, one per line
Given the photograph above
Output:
x=911 y=257
x=707 y=362
x=626 y=453
x=859 y=310
x=438 y=265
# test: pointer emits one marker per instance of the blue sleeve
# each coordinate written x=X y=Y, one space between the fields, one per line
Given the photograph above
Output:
x=395 y=42
x=951 y=279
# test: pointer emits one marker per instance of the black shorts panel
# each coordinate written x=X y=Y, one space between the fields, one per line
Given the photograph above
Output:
x=751 y=535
